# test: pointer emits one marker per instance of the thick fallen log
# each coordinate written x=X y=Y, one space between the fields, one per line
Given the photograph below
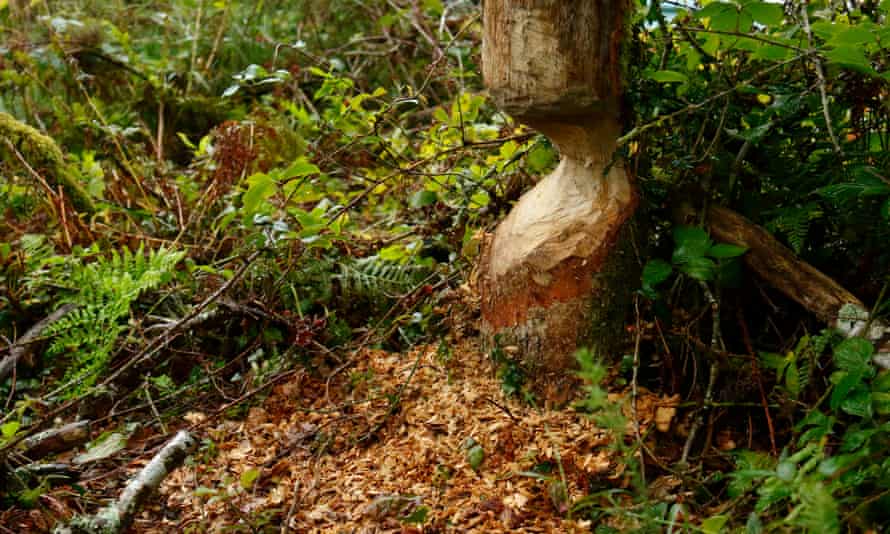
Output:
x=24 y=347
x=819 y=294
x=118 y=516
x=56 y=440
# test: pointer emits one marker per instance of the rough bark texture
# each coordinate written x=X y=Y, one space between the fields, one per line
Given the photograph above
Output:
x=550 y=58
x=551 y=277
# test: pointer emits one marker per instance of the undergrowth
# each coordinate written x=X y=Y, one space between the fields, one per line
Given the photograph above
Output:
x=270 y=187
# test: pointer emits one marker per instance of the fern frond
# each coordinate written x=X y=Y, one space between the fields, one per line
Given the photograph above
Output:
x=106 y=288
x=373 y=278
x=794 y=222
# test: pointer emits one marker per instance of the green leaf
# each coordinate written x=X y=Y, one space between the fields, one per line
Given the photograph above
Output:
x=864 y=185
x=699 y=268
x=853 y=35
x=881 y=402
x=692 y=242
x=766 y=13
x=858 y=403
x=475 y=456
x=792 y=379
x=9 y=429
x=668 y=76
x=845 y=384
x=721 y=16
x=540 y=158
x=300 y=167
x=853 y=354
x=725 y=251
x=418 y=516
x=851 y=57
x=655 y=272
x=260 y=187
x=249 y=477
x=423 y=198
x=714 y=524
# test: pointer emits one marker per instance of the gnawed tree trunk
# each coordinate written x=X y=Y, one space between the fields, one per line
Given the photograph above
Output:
x=554 y=276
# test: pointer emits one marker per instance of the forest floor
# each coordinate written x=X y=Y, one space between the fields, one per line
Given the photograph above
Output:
x=362 y=467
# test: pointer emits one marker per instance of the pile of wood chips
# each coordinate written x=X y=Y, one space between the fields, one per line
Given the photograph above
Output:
x=332 y=456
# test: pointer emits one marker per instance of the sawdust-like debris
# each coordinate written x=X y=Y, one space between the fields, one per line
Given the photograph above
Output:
x=333 y=457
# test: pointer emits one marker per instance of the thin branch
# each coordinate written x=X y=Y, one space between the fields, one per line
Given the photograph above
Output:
x=820 y=74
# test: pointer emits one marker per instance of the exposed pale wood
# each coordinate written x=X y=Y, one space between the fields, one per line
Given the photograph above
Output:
x=547 y=275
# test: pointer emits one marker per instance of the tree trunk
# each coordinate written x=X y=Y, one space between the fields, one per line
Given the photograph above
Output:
x=554 y=276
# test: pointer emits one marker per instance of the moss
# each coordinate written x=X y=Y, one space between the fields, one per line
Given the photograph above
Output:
x=616 y=283
x=44 y=156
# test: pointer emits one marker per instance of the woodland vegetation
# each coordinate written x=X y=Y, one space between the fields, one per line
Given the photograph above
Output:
x=257 y=272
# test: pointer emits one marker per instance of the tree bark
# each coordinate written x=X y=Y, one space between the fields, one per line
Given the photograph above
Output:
x=553 y=277
x=798 y=280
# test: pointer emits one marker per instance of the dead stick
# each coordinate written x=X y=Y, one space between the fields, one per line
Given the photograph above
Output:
x=57 y=440
x=118 y=516
x=22 y=348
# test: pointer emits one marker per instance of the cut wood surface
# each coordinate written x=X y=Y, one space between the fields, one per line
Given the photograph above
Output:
x=545 y=276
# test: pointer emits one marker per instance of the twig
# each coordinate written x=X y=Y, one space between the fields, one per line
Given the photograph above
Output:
x=746 y=338
x=20 y=349
x=56 y=440
x=148 y=352
x=167 y=337
x=633 y=134
x=820 y=74
x=635 y=391
x=713 y=372
x=298 y=497
x=503 y=408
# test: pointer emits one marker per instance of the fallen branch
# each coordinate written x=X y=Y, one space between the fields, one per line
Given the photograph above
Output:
x=56 y=440
x=798 y=280
x=118 y=516
x=23 y=348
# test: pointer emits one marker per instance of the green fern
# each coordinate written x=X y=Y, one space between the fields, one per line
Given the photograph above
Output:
x=105 y=289
x=794 y=222
x=373 y=278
